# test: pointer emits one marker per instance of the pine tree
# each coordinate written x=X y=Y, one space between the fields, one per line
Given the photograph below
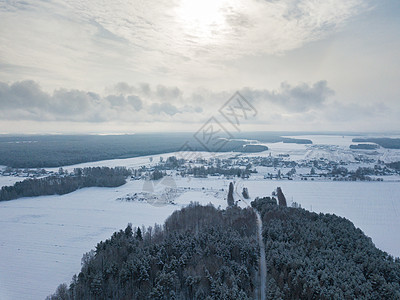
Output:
x=139 y=234
x=312 y=172
x=281 y=197
x=128 y=230
x=231 y=201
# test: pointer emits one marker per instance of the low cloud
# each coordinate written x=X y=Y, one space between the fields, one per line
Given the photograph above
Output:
x=158 y=108
x=160 y=92
x=26 y=100
x=298 y=98
x=303 y=106
x=135 y=101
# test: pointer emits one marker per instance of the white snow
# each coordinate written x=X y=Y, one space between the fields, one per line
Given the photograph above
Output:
x=345 y=140
x=335 y=147
x=10 y=180
x=374 y=207
x=149 y=160
x=43 y=238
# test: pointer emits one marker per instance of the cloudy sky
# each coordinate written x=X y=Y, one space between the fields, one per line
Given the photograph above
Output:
x=86 y=66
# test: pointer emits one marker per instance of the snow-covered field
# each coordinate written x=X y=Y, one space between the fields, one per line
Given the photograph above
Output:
x=9 y=180
x=332 y=147
x=150 y=160
x=44 y=238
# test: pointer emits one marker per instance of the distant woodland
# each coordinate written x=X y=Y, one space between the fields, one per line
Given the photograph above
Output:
x=40 y=151
x=389 y=143
x=394 y=165
x=205 y=253
x=61 y=184
x=364 y=147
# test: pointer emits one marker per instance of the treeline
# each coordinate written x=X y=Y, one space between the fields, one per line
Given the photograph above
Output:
x=156 y=175
x=200 y=253
x=66 y=183
x=250 y=148
x=388 y=143
x=39 y=151
x=394 y=165
x=322 y=256
x=296 y=141
x=364 y=147
x=211 y=170
x=361 y=173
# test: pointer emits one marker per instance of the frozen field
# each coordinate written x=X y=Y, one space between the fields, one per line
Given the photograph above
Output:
x=43 y=238
x=332 y=147
x=9 y=180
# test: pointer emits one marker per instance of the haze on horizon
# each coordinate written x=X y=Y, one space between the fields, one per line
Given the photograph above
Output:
x=79 y=66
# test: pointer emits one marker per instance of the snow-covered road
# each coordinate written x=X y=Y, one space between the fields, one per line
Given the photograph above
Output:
x=263 y=261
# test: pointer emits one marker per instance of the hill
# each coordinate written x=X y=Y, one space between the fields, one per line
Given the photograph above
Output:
x=200 y=252
x=205 y=253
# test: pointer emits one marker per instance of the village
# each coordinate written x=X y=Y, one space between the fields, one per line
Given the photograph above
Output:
x=279 y=167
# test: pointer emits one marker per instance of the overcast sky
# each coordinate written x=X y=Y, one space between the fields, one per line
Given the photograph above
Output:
x=86 y=66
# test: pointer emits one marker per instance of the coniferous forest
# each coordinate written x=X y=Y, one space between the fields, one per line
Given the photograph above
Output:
x=199 y=253
x=323 y=256
x=66 y=183
x=206 y=253
x=41 y=151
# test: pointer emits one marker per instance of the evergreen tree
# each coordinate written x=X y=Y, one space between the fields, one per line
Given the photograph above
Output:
x=128 y=230
x=138 y=235
x=312 y=172
x=231 y=201
x=200 y=253
x=205 y=253
x=281 y=197
x=245 y=193
x=62 y=184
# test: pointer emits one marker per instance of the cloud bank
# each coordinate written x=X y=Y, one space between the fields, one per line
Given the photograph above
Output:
x=299 y=98
x=289 y=107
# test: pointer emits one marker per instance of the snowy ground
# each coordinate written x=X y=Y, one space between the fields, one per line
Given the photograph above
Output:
x=150 y=160
x=326 y=146
x=44 y=238
x=9 y=180
x=332 y=147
